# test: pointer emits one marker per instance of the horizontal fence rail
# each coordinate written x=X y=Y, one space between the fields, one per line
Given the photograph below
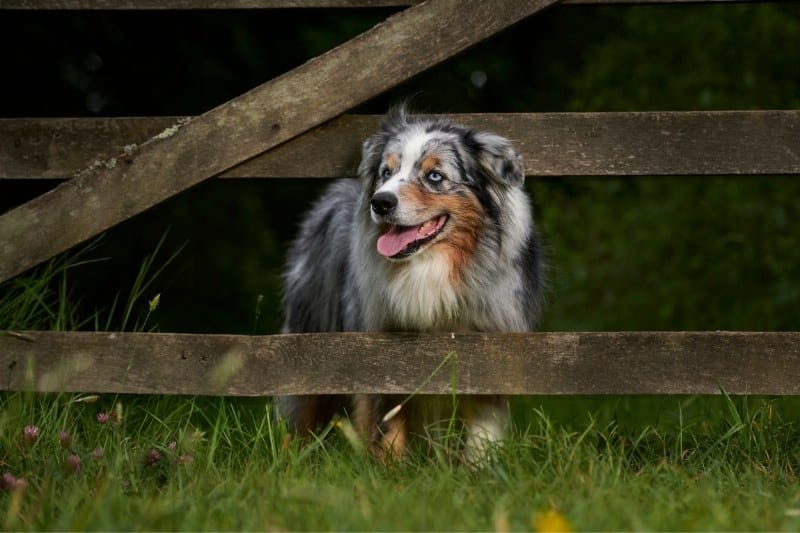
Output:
x=269 y=4
x=552 y=144
x=479 y=363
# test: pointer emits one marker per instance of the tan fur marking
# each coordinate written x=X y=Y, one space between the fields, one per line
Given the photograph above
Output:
x=465 y=225
x=394 y=441
x=429 y=163
x=393 y=162
x=413 y=196
x=385 y=446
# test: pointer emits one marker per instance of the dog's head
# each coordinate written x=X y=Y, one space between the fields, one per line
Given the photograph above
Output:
x=435 y=185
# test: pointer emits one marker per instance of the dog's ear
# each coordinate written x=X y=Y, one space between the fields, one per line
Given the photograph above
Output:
x=372 y=150
x=499 y=159
x=371 y=153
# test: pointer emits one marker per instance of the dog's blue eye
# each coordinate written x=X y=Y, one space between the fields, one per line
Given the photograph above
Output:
x=385 y=173
x=434 y=177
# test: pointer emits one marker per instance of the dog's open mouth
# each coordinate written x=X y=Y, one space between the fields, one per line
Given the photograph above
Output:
x=399 y=242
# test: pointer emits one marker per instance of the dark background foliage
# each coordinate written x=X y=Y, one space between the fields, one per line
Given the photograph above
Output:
x=626 y=253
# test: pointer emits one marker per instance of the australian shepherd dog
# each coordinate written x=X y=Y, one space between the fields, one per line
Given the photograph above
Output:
x=436 y=235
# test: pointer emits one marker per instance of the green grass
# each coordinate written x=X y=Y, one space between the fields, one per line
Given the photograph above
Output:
x=729 y=465
x=206 y=463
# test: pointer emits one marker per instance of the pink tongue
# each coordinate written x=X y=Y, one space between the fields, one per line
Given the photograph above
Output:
x=398 y=238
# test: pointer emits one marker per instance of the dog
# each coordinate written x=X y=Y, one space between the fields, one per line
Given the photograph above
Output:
x=437 y=234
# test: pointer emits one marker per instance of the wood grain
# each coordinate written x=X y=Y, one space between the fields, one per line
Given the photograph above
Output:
x=267 y=4
x=552 y=144
x=535 y=363
x=178 y=158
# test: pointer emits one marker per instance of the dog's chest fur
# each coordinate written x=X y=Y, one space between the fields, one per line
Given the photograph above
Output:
x=421 y=296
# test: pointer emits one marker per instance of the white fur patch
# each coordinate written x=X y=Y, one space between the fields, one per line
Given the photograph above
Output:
x=484 y=432
x=411 y=143
x=421 y=294
x=517 y=223
x=392 y=185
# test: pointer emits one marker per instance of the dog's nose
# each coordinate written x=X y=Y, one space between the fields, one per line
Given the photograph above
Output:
x=383 y=203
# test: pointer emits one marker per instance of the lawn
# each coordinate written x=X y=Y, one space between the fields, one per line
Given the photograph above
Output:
x=86 y=462
x=177 y=463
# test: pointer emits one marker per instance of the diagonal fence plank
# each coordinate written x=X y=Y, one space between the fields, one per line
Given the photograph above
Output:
x=186 y=154
x=483 y=363
x=552 y=144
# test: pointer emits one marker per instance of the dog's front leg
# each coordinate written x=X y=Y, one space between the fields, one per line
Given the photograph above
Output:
x=486 y=420
x=386 y=436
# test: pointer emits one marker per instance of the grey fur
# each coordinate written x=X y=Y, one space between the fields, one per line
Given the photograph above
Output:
x=337 y=281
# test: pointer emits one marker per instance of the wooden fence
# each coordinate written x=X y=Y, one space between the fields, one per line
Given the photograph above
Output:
x=115 y=168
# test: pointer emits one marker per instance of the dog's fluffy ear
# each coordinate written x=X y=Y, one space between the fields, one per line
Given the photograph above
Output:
x=372 y=150
x=371 y=153
x=499 y=159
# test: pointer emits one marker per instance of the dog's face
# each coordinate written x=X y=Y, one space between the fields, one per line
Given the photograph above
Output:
x=435 y=186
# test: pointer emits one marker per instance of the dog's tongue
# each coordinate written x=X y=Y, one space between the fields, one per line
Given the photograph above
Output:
x=398 y=238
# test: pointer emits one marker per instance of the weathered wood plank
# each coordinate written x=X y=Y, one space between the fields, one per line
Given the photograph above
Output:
x=186 y=154
x=536 y=363
x=58 y=148
x=552 y=144
x=269 y=4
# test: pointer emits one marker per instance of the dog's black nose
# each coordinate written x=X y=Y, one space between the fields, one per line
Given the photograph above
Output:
x=383 y=203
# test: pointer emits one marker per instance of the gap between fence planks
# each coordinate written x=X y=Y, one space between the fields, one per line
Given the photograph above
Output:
x=402 y=363
x=552 y=144
x=269 y=4
x=186 y=154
